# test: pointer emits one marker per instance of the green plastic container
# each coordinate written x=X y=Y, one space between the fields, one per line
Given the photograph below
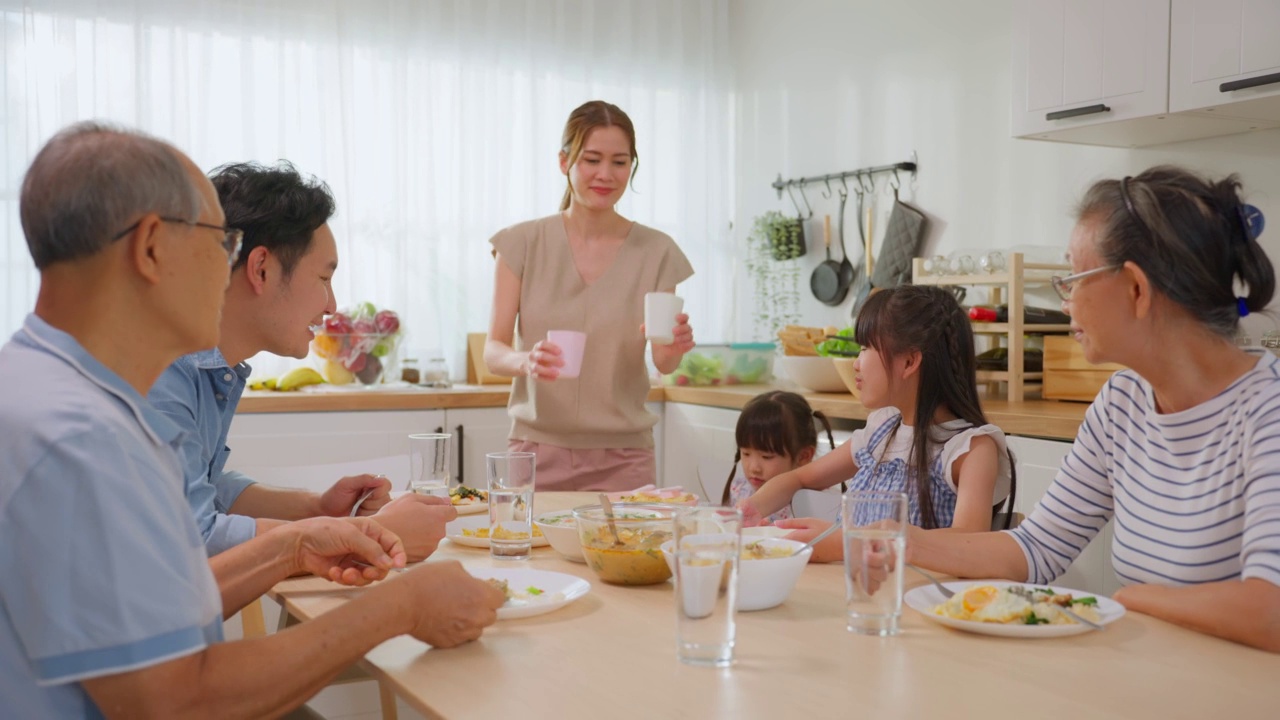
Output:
x=719 y=364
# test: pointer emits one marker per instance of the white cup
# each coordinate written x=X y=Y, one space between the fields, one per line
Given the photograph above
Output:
x=660 y=311
x=572 y=343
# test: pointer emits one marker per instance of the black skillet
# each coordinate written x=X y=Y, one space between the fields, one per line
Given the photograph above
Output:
x=846 y=267
x=825 y=280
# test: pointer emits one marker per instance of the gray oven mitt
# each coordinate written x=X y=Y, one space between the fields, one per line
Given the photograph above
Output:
x=902 y=239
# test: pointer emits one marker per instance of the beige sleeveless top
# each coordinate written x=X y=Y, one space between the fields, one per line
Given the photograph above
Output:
x=604 y=406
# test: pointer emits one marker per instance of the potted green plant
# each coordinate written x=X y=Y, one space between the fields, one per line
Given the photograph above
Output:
x=776 y=285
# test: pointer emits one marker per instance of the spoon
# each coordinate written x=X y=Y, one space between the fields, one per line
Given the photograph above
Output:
x=356 y=507
x=608 y=515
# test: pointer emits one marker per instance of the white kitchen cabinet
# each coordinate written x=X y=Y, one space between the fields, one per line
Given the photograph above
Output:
x=1037 y=464
x=1083 y=62
x=1224 y=58
x=312 y=450
x=694 y=434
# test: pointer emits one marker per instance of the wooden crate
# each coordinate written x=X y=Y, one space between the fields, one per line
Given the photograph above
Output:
x=1067 y=375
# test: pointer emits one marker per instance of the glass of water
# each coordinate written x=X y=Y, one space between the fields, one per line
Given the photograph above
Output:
x=510 y=476
x=708 y=541
x=875 y=543
x=429 y=464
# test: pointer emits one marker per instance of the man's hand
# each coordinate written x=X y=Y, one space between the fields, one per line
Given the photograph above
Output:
x=419 y=521
x=449 y=607
x=337 y=500
x=830 y=549
x=351 y=551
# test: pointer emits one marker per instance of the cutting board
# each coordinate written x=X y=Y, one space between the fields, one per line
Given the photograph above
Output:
x=477 y=372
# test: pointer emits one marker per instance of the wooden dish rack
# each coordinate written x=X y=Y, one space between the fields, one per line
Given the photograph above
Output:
x=1013 y=280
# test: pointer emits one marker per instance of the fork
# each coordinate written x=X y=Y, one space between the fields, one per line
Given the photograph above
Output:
x=946 y=591
x=1025 y=593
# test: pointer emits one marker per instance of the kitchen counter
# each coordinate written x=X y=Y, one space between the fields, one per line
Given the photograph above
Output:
x=1033 y=418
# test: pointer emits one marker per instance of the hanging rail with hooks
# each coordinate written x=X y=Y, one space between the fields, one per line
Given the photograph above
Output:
x=867 y=172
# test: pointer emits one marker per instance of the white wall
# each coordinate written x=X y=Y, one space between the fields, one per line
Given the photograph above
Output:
x=831 y=85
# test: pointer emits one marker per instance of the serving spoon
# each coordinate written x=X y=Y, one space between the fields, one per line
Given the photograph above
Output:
x=608 y=516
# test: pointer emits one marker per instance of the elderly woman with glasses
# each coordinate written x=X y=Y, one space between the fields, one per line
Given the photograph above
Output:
x=1182 y=449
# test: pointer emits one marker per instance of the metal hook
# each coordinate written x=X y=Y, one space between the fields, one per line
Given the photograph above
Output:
x=895 y=183
x=792 y=195
x=870 y=187
x=844 y=185
x=808 y=210
x=827 y=194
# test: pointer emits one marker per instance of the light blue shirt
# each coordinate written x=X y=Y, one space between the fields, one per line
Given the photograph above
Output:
x=102 y=570
x=199 y=392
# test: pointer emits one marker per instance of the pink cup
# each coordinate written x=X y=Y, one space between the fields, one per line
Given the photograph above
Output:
x=571 y=343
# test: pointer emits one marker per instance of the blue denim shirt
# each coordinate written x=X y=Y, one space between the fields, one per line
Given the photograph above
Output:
x=199 y=393
x=103 y=570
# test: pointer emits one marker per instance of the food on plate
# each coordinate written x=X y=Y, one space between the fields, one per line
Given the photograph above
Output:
x=1017 y=605
x=463 y=495
x=759 y=551
x=353 y=343
x=653 y=496
x=565 y=520
x=505 y=587
x=500 y=534
x=803 y=341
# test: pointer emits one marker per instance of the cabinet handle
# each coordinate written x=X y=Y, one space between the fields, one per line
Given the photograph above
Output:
x=1249 y=82
x=1077 y=112
x=461 y=453
x=439 y=429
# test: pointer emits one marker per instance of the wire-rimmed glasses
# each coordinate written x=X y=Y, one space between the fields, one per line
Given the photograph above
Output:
x=1063 y=284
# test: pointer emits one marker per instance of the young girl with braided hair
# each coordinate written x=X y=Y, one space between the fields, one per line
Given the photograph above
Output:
x=775 y=433
x=926 y=434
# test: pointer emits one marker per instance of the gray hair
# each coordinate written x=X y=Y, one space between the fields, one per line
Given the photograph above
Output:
x=1188 y=234
x=91 y=180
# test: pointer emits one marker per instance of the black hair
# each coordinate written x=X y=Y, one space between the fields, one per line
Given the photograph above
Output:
x=276 y=207
x=929 y=319
x=1190 y=237
x=776 y=422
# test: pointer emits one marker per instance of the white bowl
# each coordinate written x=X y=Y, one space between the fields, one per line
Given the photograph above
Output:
x=812 y=373
x=763 y=583
x=561 y=530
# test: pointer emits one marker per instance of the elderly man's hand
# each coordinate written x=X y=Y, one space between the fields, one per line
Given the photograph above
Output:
x=351 y=551
x=337 y=500
x=449 y=607
x=419 y=520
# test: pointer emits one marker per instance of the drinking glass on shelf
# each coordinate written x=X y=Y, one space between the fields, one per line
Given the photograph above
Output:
x=962 y=264
x=429 y=464
x=993 y=262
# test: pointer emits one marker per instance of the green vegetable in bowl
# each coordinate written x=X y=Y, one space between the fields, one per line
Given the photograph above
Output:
x=840 y=348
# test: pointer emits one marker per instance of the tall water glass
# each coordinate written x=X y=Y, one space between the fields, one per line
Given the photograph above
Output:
x=510 y=476
x=429 y=464
x=707 y=543
x=875 y=544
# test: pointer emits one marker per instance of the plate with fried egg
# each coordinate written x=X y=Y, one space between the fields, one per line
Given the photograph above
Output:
x=989 y=608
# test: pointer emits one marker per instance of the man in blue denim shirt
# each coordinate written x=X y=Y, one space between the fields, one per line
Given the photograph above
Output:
x=110 y=605
x=280 y=288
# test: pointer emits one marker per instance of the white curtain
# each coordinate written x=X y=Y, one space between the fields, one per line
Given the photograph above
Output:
x=435 y=122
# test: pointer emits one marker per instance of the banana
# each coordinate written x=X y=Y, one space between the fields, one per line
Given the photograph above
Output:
x=263 y=384
x=298 y=377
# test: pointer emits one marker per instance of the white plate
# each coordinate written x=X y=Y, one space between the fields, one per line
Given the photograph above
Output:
x=925 y=598
x=558 y=590
x=453 y=531
x=470 y=508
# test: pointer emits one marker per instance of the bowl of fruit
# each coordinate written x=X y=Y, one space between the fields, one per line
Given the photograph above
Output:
x=355 y=345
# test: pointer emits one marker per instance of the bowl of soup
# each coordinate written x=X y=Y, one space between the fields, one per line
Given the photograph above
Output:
x=561 y=530
x=632 y=555
x=768 y=569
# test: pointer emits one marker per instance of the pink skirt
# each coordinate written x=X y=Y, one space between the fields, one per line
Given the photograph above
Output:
x=574 y=470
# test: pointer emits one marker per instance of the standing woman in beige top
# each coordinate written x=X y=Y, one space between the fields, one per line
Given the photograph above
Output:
x=586 y=268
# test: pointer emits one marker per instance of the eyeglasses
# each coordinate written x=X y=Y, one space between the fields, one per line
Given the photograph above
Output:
x=1063 y=285
x=232 y=238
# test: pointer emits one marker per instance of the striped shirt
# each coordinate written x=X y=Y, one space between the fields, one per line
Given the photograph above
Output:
x=1195 y=494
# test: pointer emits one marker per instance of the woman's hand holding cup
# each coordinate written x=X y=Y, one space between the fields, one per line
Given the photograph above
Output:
x=544 y=361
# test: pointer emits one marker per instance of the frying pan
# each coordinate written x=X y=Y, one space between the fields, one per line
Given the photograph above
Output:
x=825 y=281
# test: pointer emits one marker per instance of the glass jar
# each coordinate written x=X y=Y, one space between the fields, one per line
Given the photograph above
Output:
x=409 y=371
x=436 y=373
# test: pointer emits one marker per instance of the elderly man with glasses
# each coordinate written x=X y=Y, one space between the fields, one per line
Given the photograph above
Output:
x=111 y=605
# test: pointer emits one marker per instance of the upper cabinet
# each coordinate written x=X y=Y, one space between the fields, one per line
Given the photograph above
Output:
x=1107 y=72
x=1226 y=58
x=1083 y=62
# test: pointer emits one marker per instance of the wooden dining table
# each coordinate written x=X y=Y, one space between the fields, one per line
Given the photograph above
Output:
x=612 y=654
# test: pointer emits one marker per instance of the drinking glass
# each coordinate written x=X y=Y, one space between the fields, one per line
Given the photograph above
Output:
x=510 y=476
x=875 y=543
x=707 y=543
x=429 y=464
